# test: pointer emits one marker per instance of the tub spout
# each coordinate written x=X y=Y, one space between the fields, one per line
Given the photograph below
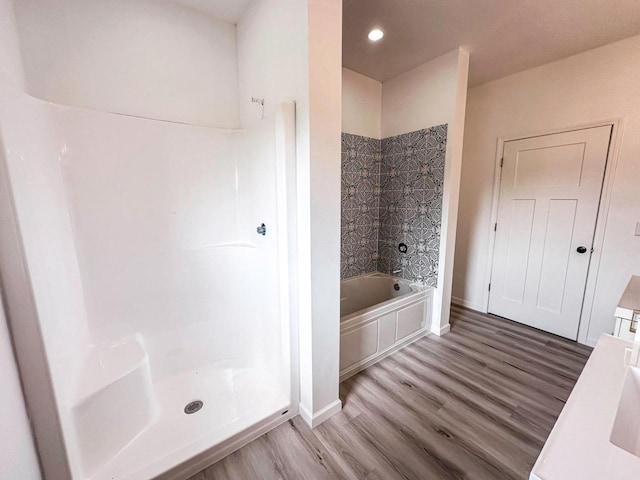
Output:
x=393 y=272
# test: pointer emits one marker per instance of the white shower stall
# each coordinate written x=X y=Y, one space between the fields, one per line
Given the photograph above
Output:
x=145 y=273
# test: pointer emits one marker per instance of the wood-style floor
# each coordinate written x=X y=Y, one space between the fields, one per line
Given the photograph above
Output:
x=477 y=403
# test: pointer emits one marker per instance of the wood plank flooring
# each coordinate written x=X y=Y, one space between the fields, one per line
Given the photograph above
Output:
x=477 y=403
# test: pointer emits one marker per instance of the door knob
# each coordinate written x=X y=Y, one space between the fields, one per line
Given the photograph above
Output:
x=581 y=249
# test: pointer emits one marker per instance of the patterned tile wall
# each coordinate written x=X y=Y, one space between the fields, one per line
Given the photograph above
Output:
x=392 y=194
x=411 y=181
x=361 y=158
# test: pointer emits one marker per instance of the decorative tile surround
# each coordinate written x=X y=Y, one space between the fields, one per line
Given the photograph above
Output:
x=411 y=180
x=361 y=158
x=390 y=196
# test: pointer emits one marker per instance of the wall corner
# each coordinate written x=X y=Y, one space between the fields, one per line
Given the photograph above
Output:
x=451 y=193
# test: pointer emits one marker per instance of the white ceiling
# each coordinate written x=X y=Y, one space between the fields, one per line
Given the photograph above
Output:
x=502 y=36
x=228 y=11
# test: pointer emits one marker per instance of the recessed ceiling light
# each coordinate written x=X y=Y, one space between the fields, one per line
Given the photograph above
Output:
x=376 y=34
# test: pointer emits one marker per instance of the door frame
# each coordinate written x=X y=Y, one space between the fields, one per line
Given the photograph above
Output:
x=601 y=221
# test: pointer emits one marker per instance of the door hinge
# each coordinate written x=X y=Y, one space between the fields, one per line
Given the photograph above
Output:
x=489 y=287
x=495 y=227
x=501 y=162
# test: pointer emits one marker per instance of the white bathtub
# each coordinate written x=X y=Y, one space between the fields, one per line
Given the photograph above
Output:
x=378 y=315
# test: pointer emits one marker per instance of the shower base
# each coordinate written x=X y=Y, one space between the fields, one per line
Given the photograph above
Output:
x=234 y=399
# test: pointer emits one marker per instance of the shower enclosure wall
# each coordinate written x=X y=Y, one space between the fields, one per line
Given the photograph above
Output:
x=149 y=315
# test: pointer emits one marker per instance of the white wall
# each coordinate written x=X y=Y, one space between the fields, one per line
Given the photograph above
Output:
x=272 y=61
x=10 y=58
x=323 y=228
x=434 y=94
x=302 y=63
x=420 y=98
x=150 y=58
x=17 y=453
x=590 y=87
x=361 y=105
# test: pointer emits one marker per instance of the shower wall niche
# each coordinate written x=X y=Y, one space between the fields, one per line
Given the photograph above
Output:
x=392 y=194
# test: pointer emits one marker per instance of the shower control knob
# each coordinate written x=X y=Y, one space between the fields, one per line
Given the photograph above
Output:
x=581 y=249
x=262 y=229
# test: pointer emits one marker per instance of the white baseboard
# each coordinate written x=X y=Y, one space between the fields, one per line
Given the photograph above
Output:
x=305 y=414
x=313 y=420
x=466 y=303
x=442 y=330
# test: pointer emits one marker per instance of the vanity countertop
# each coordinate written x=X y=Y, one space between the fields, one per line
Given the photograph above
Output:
x=578 y=446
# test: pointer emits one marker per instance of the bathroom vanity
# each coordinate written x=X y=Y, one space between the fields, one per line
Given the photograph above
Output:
x=597 y=435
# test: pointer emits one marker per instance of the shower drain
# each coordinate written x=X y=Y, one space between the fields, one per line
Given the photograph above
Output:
x=193 y=407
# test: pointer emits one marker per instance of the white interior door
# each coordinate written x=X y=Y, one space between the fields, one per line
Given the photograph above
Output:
x=549 y=198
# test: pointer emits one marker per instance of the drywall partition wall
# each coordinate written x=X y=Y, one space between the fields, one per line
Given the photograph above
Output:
x=148 y=58
x=361 y=105
x=10 y=58
x=594 y=86
x=302 y=63
x=434 y=94
x=273 y=62
x=360 y=209
x=325 y=108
